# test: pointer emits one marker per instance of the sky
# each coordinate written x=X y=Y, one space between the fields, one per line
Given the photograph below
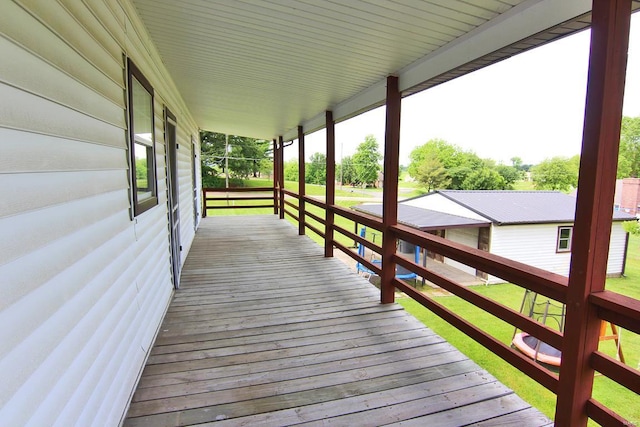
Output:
x=530 y=106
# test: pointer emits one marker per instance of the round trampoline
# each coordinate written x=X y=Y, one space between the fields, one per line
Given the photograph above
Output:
x=536 y=349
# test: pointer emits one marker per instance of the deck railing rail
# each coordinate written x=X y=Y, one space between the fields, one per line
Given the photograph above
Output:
x=612 y=307
x=215 y=198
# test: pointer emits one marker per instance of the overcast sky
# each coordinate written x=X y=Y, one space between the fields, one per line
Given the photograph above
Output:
x=531 y=106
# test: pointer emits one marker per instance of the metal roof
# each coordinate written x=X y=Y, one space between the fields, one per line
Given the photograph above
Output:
x=261 y=68
x=520 y=207
x=424 y=219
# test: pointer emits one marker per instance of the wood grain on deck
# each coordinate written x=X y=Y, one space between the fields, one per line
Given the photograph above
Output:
x=266 y=331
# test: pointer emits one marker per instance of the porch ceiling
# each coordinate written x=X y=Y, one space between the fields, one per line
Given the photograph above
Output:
x=261 y=68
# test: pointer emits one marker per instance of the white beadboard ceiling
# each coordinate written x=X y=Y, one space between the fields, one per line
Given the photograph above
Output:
x=260 y=68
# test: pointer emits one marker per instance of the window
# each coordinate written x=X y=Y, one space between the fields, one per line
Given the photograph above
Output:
x=142 y=146
x=564 y=239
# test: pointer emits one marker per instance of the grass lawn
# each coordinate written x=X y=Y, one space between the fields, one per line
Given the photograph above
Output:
x=523 y=186
x=618 y=398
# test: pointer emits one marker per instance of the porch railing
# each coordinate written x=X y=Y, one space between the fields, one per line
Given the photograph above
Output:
x=237 y=197
x=612 y=307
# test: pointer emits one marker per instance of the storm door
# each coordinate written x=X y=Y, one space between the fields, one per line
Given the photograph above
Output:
x=173 y=195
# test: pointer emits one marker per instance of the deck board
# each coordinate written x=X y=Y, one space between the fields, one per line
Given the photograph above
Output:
x=266 y=331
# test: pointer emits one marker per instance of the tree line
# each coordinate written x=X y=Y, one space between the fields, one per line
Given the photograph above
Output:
x=245 y=157
x=436 y=164
x=362 y=169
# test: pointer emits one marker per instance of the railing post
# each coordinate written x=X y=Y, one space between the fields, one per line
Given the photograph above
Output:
x=301 y=183
x=390 y=189
x=275 y=177
x=281 y=175
x=330 y=195
x=594 y=206
x=204 y=203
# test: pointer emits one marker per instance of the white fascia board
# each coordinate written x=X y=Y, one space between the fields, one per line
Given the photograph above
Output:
x=522 y=21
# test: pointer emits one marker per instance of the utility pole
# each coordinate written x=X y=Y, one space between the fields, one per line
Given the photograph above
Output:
x=226 y=160
x=341 y=165
x=226 y=164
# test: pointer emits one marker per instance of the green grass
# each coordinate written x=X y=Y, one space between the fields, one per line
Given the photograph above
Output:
x=612 y=395
x=523 y=186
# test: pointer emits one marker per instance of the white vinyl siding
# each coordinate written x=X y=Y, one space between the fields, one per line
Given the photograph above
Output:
x=465 y=236
x=532 y=244
x=617 y=249
x=535 y=245
x=83 y=288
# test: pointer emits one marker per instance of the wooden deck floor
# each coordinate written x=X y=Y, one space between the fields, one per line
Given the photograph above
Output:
x=265 y=331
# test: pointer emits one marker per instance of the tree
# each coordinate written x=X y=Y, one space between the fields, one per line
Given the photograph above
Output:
x=516 y=162
x=510 y=174
x=291 y=170
x=457 y=162
x=432 y=174
x=346 y=171
x=485 y=178
x=316 y=169
x=629 y=154
x=247 y=156
x=557 y=173
x=366 y=161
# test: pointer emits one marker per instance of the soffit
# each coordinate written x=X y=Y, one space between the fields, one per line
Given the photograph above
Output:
x=261 y=68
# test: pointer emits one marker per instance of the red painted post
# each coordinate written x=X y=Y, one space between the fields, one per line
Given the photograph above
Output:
x=281 y=175
x=204 y=203
x=330 y=198
x=301 y=183
x=275 y=177
x=594 y=206
x=390 y=189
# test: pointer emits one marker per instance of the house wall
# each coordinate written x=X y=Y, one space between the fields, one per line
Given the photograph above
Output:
x=465 y=236
x=629 y=195
x=83 y=287
x=540 y=248
x=617 y=250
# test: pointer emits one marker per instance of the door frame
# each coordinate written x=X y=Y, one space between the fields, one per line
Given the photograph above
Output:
x=173 y=194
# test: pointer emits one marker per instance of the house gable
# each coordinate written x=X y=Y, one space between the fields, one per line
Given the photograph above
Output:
x=437 y=202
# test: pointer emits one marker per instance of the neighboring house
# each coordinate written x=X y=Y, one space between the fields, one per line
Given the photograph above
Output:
x=627 y=197
x=532 y=227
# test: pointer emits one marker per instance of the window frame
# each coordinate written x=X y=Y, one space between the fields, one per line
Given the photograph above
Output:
x=141 y=206
x=561 y=239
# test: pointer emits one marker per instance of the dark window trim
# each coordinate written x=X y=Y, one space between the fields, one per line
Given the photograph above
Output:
x=140 y=207
x=568 y=249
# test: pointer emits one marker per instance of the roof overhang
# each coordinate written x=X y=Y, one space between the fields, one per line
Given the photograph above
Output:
x=261 y=69
x=424 y=219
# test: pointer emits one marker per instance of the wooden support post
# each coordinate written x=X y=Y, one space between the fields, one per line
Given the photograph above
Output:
x=281 y=175
x=204 y=204
x=301 y=183
x=275 y=177
x=390 y=189
x=330 y=198
x=594 y=206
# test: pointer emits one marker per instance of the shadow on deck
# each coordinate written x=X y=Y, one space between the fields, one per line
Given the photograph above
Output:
x=266 y=331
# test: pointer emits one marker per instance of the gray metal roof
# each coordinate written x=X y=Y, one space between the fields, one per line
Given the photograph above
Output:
x=424 y=219
x=261 y=68
x=520 y=207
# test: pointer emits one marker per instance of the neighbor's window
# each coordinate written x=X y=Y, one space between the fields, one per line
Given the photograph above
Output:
x=142 y=146
x=564 y=239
